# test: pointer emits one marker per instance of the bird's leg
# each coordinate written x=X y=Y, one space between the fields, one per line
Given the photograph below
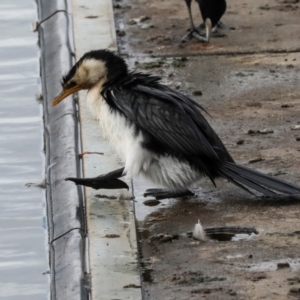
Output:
x=220 y=25
x=193 y=32
x=107 y=181
x=164 y=194
x=208 y=26
x=223 y=26
x=188 y=4
x=208 y=31
x=201 y=26
x=215 y=33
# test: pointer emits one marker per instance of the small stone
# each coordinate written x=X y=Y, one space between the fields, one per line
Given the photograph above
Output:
x=231 y=292
x=39 y=97
x=131 y=285
x=266 y=131
x=140 y=19
x=254 y=104
x=117 y=6
x=286 y=105
x=290 y=66
x=254 y=160
x=144 y=18
x=35 y=26
x=258 y=277
x=147 y=26
x=295 y=290
x=132 y=22
x=240 y=74
x=298 y=138
x=92 y=17
x=112 y=236
x=240 y=142
x=261 y=131
x=283 y=265
x=160 y=235
x=279 y=173
x=197 y=93
x=295 y=127
x=167 y=238
x=179 y=62
x=266 y=7
x=120 y=32
x=293 y=280
x=151 y=202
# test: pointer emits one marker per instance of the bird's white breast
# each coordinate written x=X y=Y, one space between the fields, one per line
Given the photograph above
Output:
x=120 y=133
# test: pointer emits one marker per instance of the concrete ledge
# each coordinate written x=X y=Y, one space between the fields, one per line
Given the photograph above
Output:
x=113 y=261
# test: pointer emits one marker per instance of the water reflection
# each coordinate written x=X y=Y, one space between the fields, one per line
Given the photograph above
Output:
x=23 y=252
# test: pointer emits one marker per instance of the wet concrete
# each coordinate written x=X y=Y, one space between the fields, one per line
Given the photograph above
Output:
x=254 y=103
x=23 y=234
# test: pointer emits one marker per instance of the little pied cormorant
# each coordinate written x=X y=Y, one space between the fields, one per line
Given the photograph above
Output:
x=211 y=12
x=157 y=132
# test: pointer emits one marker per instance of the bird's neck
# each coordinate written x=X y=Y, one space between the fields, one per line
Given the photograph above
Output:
x=94 y=98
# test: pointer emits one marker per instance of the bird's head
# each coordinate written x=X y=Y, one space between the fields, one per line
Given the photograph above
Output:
x=93 y=67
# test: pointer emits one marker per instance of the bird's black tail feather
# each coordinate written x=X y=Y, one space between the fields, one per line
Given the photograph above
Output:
x=242 y=176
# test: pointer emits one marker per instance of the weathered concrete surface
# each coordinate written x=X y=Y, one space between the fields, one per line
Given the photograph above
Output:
x=245 y=92
x=113 y=255
x=265 y=25
x=242 y=93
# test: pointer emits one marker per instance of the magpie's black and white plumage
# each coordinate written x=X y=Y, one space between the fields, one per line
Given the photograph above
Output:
x=157 y=132
x=211 y=12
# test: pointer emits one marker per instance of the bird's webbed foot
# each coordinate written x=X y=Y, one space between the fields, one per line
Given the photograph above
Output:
x=215 y=33
x=107 y=181
x=160 y=194
x=193 y=33
x=223 y=26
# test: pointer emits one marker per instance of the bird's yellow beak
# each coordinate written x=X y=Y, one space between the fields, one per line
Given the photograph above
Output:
x=66 y=93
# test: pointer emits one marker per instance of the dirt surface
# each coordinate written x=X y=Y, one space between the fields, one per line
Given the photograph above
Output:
x=253 y=97
x=261 y=26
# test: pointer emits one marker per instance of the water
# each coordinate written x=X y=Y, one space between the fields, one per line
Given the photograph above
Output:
x=23 y=233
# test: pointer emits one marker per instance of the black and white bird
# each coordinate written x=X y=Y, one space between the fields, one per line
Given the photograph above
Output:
x=157 y=132
x=211 y=12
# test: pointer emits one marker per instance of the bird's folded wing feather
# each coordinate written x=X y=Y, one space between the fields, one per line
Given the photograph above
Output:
x=170 y=117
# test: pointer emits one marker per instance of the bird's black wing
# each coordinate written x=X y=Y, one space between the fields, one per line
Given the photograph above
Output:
x=171 y=118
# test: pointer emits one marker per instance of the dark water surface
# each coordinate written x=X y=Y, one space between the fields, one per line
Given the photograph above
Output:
x=23 y=233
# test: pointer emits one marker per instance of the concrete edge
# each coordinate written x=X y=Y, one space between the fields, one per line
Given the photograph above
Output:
x=114 y=263
x=65 y=205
